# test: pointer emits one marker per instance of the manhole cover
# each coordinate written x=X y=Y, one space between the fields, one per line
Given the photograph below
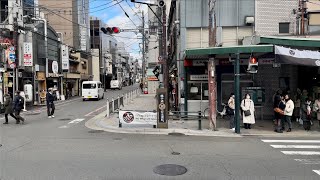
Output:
x=170 y=170
x=175 y=153
x=65 y=119
x=176 y=134
x=96 y=131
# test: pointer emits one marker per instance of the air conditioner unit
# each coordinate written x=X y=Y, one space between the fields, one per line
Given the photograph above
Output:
x=249 y=20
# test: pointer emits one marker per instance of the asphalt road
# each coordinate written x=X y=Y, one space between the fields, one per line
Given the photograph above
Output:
x=62 y=148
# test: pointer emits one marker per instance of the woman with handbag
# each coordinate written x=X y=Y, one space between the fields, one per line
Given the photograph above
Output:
x=247 y=107
x=288 y=111
x=279 y=115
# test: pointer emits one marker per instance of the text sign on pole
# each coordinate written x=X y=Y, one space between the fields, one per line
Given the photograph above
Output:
x=162 y=108
x=65 y=57
x=27 y=54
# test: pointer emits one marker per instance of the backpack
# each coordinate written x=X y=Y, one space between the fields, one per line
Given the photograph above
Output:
x=229 y=111
x=21 y=102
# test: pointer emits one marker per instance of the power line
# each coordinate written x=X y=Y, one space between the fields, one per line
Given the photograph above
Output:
x=126 y=14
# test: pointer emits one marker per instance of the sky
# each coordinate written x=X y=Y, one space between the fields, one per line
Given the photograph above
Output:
x=110 y=12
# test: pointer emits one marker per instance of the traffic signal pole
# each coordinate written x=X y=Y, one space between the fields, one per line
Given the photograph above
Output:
x=237 y=93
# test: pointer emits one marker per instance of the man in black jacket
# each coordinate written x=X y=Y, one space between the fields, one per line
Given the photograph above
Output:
x=50 y=104
x=18 y=106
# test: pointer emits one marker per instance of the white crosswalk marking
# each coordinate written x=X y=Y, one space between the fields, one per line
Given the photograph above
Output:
x=306 y=153
x=308 y=161
x=76 y=121
x=298 y=148
x=317 y=171
x=290 y=141
x=295 y=146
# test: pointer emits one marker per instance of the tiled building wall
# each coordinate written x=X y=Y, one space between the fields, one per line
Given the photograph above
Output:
x=269 y=13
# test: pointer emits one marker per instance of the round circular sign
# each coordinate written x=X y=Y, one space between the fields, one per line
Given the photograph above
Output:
x=318 y=62
x=55 y=67
x=128 y=117
x=162 y=106
x=12 y=65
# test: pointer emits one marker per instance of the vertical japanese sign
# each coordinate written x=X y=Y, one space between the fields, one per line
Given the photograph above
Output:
x=65 y=57
x=11 y=56
x=162 y=108
x=27 y=54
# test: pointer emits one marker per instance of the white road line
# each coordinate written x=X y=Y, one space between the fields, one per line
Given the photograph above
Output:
x=95 y=110
x=75 y=121
x=308 y=161
x=295 y=146
x=290 y=141
x=307 y=153
x=63 y=127
x=317 y=171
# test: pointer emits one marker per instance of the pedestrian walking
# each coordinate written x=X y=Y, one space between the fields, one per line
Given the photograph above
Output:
x=288 y=113
x=141 y=87
x=230 y=111
x=50 y=104
x=8 y=105
x=279 y=115
x=316 y=108
x=306 y=115
x=247 y=107
x=18 y=106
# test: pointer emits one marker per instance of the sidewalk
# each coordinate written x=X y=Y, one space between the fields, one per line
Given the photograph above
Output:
x=190 y=127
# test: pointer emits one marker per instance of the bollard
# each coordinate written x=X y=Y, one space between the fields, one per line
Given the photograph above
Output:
x=199 y=120
x=108 y=108
x=118 y=101
x=112 y=105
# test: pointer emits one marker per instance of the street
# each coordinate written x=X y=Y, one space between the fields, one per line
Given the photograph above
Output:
x=63 y=148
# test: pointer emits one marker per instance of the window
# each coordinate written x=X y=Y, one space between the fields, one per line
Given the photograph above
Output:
x=91 y=32
x=96 y=32
x=284 y=27
x=89 y=86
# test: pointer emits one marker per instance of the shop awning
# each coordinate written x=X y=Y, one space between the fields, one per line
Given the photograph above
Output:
x=223 y=52
x=297 y=57
x=290 y=41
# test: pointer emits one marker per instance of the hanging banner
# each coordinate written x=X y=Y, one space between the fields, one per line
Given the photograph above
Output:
x=298 y=57
x=65 y=57
x=27 y=54
x=134 y=117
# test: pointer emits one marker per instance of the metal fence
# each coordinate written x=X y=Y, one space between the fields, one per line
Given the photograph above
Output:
x=115 y=103
x=189 y=116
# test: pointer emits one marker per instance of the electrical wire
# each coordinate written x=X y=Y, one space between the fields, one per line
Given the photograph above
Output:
x=134 y=11
x=126 y=14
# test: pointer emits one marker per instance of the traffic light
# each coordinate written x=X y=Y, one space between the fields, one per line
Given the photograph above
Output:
x=156 y=71
x=110 y=30
x=253 y=65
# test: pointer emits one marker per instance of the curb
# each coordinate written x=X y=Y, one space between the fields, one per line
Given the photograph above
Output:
x=96 y=123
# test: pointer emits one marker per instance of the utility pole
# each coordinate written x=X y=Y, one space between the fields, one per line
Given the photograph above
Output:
x=14 y=69
x=211 y=68
x=302 y=6
x=143 y=52
x=164 y=50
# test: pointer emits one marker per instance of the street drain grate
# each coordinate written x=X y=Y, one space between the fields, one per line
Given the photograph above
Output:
x=176 y=134
x=170 y=170
x=33 y=114
x=65 y=119
x=96 y=131
x=175 y=153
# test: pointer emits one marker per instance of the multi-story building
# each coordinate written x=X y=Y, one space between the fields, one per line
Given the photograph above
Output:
x=237 y=22
x=70 y=18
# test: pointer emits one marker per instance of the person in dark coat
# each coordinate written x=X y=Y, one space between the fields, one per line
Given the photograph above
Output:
x=306 y=114
x=279 y=116
x=18 y=106
x=50 y=104
x=8 y=105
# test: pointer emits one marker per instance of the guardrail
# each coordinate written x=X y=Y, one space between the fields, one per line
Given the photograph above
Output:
x=189 y=115
x=115 y=103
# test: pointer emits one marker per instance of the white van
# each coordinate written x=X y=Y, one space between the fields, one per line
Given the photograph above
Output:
x=115 y=84
x=92 y=90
